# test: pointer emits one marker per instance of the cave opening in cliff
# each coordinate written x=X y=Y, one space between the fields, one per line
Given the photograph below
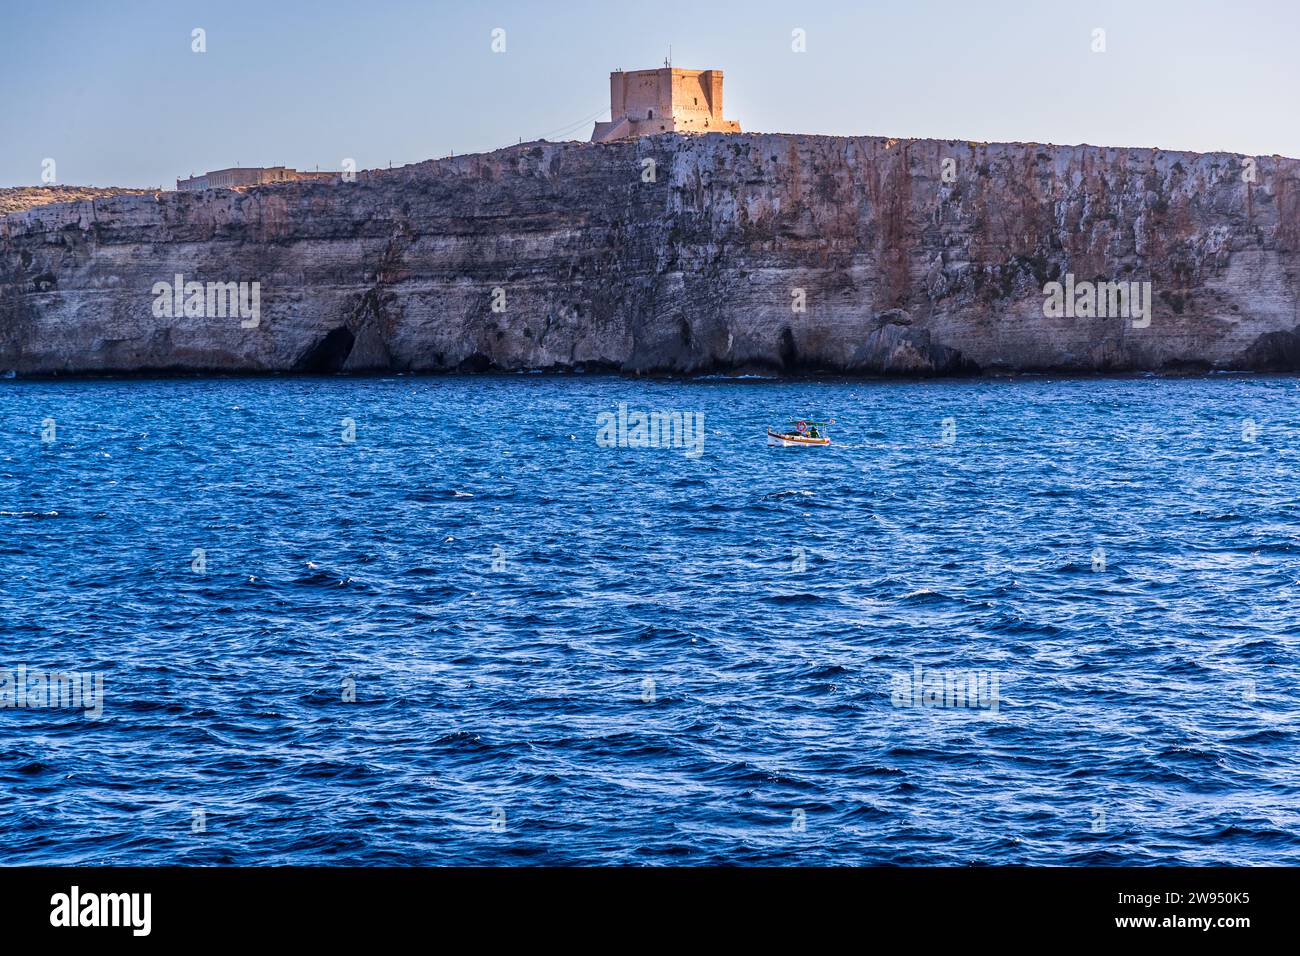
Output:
x=330 y=353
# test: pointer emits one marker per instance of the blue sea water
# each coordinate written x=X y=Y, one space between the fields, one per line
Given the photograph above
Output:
x=563 y=653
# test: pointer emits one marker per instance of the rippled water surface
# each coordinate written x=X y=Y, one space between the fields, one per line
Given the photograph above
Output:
x=565 y=653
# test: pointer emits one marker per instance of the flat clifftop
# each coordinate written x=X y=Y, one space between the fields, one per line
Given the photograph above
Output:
x=681 y=254
x=21 y=198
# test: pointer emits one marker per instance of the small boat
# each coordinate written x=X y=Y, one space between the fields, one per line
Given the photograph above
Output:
x=806 y=432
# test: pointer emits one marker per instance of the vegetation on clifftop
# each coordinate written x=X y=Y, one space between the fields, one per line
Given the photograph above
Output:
x=20 y=198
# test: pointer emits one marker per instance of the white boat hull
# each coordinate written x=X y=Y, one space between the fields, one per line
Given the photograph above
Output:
x=786 y=440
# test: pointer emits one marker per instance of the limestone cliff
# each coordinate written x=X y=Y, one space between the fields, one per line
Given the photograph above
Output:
x=681 y=254
x=22 y=198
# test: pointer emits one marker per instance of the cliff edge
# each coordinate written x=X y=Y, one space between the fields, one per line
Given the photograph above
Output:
x=682 y=254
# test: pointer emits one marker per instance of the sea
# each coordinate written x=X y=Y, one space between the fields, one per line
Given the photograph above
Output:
x=597 y=620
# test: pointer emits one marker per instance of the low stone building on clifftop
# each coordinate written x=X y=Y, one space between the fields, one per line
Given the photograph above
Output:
x=667 y=100
x=237 y=176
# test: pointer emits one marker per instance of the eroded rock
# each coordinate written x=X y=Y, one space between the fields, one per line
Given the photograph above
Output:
x=791 y=253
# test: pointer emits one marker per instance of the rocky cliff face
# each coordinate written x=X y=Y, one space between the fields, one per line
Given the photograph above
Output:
x=680 y=254
x=21 y=198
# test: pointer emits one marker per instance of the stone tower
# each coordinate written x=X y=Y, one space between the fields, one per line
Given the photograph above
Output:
x=667 y=100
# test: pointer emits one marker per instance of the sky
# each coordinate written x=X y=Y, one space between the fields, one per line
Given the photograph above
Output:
x=114 y=93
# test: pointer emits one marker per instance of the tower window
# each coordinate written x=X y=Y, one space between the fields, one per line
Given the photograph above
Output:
x=652 y=114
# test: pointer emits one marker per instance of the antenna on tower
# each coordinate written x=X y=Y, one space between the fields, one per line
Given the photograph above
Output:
x=669 y=61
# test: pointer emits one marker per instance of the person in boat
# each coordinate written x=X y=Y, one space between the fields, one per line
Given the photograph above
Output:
x=812 y=432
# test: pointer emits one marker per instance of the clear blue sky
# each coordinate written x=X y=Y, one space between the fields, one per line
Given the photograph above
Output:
x=112 y=92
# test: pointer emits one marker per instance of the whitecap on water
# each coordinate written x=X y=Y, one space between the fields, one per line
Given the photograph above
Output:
x=786 y=494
